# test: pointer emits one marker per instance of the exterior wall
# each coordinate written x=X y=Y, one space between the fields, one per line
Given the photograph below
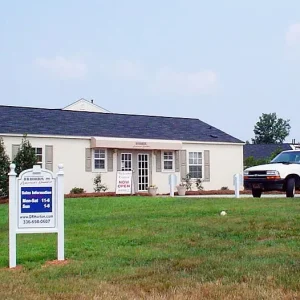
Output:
x=84 y=105
x=71 y=153
x=225 y=161
x=161 y=179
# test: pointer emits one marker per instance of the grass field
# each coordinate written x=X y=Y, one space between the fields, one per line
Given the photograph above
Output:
x=161 y=248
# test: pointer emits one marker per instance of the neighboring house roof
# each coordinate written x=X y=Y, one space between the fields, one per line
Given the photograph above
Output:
x=25 y=120
x=261 y=151
x=85 y=105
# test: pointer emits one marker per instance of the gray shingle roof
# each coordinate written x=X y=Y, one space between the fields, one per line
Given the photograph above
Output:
x=26 y=120
x=261 y=151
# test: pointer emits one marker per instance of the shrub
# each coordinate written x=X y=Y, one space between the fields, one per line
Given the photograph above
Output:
x=4 y=169
x=224 y=188
x=25 y=158
x=99 y=186
x=186 y=181
x=77 y=190
x=199 y=184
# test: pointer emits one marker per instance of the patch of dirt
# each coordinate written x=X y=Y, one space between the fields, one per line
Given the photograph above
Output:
x=203 y=192
x=3 y=200
x=56 y=263
x=16 y=268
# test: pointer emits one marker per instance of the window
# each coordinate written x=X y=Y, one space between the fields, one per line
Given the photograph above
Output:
x=126 y=162
x=195 y=164
x=168 y=160
x=39 y=155
x=99 y=159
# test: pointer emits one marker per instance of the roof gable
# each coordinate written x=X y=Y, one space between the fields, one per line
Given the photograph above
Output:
x=20 y=120
x=85 y=105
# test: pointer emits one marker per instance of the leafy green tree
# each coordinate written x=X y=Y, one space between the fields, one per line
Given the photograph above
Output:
x=25 y=158
x=4 y=169
x=270 y=129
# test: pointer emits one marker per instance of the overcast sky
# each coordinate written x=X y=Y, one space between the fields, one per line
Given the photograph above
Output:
x=223 y=61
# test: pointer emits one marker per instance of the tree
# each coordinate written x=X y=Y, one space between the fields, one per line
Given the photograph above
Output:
x=25 y=158
x=270 y=129
x=4 y=169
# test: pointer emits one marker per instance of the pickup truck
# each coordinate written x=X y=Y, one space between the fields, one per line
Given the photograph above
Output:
x=281 y=174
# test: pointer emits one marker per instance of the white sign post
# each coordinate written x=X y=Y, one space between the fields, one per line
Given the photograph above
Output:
x=36 y=205
x=172 y=183
x=124 y=182
x=237 y=181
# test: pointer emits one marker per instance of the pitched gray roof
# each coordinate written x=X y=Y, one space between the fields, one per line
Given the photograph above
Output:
x=26 y=120
x=261 y=151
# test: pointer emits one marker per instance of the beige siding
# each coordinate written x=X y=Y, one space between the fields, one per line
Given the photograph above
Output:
x=71 y=153
x=225 y=161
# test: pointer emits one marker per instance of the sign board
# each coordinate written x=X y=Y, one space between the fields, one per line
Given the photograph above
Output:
x=124 y=182
x=36 y=205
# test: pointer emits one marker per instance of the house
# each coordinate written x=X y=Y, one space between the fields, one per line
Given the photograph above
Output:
x=264 y=151
x=85 y=105
x=153 y=147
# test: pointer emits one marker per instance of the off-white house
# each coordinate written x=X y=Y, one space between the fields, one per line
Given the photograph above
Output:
x=153 y=147
x=85 y=105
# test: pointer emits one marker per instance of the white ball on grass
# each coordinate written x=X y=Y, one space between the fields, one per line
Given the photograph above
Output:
x=223 y=213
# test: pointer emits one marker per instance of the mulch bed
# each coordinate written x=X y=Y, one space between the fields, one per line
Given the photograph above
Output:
x=188 y=193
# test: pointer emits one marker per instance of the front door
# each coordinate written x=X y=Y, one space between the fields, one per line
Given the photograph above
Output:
x=143 y=172
x=126 y=161
x=140 y=165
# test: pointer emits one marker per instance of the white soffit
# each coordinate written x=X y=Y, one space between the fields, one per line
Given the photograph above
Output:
x=97 y=142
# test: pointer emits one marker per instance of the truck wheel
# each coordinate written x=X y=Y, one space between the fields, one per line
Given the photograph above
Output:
x=256 y=193
x=290 y=187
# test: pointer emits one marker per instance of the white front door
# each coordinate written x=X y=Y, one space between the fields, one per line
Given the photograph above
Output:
x=143 y=172
x=126 y=161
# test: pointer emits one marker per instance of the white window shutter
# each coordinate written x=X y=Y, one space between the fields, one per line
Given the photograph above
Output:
x=49 y=157
x=177 y=165
x=110 y=160
x=183 y=168
x=14 y=151
x=88 y=159
x=158 y=161
x=206 y=165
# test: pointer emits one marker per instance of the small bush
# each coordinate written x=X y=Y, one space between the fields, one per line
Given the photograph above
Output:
x=224 y=188
x=199 y=184
x=77 y=190
x=187 y=182
x=99 y=186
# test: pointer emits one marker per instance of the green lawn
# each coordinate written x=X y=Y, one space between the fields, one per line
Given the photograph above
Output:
x=161 y=248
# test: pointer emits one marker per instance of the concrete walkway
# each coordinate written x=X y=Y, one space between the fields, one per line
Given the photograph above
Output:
x=233 y=196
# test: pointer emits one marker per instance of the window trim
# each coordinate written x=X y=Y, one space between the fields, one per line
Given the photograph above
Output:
x=126 y=153
x=93 y=161
x=163 y=160
x=202 y=164
x=43 y=154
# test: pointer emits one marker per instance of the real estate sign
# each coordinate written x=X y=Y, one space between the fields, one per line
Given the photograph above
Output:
x=124 y=182
x=36 y=205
